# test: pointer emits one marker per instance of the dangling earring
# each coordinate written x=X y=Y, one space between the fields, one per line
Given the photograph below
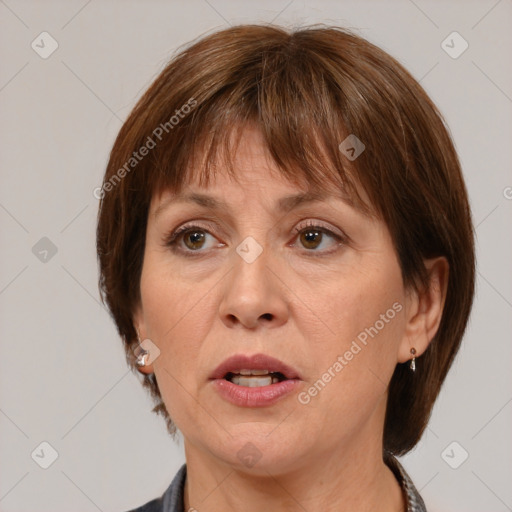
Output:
x=412 y=364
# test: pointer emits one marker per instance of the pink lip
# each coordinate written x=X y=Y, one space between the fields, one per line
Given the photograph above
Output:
x=254 y=362
x=259 y=396
x=254 y=397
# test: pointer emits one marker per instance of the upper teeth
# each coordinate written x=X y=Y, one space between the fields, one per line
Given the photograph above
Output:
x=254 y=378
x=252 y=372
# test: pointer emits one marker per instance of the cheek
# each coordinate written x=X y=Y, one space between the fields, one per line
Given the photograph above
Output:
x=359 y=300
x=178 y=315
x=177 y=319
x=168 y=300
x=364 y=311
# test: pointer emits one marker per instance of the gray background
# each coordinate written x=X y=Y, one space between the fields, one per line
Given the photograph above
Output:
x=63 y=377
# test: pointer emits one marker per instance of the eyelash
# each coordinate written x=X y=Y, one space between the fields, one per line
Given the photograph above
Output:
x=172 y=239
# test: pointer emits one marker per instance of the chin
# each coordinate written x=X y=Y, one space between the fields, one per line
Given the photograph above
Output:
x=260 y=451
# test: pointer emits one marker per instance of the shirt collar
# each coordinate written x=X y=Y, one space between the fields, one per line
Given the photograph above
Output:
x=173 y=498
x=413 y=500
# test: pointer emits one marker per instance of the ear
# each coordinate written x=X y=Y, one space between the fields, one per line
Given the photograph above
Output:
x=140 y=326
x=424 y=309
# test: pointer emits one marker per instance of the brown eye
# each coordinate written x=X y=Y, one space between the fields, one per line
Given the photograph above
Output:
x=194 y=239
x=318 y=240
x=311 y=238
x=189 y=239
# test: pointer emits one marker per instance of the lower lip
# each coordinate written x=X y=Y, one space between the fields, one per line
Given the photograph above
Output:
x=254 y=397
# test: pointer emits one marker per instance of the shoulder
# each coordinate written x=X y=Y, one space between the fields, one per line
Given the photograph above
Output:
x=171 y=500
x=413 y=500
x=155 y=505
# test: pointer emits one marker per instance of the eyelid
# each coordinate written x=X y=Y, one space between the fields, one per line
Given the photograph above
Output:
x=340 y=239
x=173 y=234
x=312 y=223
x=309 y=223
x=171 y=238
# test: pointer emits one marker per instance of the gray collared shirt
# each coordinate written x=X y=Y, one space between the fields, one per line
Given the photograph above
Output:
x=172 y=499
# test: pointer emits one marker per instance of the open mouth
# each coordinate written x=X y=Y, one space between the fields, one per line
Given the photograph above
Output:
x=254 y=381
x=254 y=378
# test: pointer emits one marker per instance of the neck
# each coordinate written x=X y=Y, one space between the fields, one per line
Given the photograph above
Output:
x=354 y=477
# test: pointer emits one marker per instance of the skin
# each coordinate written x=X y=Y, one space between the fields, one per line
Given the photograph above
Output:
x=292 y=304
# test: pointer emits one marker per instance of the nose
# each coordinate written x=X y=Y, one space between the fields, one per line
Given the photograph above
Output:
x=254 y=295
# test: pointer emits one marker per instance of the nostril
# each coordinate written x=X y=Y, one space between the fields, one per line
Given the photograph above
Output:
x=267 y=316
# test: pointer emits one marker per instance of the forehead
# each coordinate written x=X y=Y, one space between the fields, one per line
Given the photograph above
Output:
x=247 y=170
x=279 y=198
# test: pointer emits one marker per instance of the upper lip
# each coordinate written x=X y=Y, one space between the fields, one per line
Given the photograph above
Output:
x=239 y=362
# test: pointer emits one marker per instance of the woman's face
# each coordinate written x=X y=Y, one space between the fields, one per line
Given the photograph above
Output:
x=317 y=286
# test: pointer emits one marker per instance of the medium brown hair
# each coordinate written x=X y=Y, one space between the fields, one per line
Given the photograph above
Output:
x=306 y=90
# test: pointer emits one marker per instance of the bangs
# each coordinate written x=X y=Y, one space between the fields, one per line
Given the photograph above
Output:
x=285 y=95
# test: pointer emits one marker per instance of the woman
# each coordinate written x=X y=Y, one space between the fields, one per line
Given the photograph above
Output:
x=286 y=247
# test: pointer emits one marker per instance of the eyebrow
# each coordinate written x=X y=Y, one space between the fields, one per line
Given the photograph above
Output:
x=283 y=204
